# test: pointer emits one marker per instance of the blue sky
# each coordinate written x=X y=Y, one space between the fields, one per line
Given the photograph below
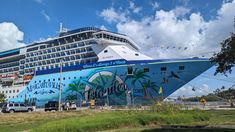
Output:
x=163 y=28
x=30 y=15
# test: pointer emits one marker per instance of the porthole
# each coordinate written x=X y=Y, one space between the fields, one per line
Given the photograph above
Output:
x=181 y=67
x=146 y=69
x=163 y=68
x=129 y=70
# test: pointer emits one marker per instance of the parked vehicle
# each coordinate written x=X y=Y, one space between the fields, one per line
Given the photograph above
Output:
x=16 y=107
x=69 y=106
x=52 y=105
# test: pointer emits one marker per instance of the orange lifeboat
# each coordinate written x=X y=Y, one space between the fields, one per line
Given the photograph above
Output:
x=27 y=77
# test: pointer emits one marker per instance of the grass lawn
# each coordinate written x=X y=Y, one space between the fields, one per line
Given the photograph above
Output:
x=98 y=120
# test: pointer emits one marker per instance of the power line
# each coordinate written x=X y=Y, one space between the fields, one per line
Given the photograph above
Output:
x=209 y=77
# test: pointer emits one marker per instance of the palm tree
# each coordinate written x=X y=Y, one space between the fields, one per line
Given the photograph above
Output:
x=137 y=76
x=149 y=85
x=71 y=97
x=78 y=87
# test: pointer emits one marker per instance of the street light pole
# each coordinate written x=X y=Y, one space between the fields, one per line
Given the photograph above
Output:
x=60 y=88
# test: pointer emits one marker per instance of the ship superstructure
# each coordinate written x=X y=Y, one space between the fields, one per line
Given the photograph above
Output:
x=81 y=50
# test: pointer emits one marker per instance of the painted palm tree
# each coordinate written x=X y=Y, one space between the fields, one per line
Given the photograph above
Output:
x=71 y=97
x=137 y=76
x=78 y=87
x=149 y=85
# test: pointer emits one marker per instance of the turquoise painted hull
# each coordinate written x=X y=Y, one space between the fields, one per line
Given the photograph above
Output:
x=122 y=84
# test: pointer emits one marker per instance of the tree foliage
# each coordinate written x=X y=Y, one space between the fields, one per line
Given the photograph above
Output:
x=226 y=57
x=2 y=97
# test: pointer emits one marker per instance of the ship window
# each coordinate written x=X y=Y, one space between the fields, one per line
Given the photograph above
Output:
x=42 y=47
x=72 y=58
x=63 y=48
x=49 y=80
x=69 y=78
x=77 y=50
x=9 y=91
x=53 y=61
x=181 y=67
x=58 y=48
x=17 y=90
x=163 y=68
x=49 y=45
x=136 y=54
x=105 y=51
x=13 y=91
x=56 y=44
x=66 y=64
x=67 y=46
x=49 y=50
x=129 y=70
x=74 y=77
x=67 y=53
x=72 y=52
x=53 y=50
x=146 y=69
x=64 y=78
x=82 y=50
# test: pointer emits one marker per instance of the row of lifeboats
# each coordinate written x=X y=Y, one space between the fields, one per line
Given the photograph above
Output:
x=12 y=77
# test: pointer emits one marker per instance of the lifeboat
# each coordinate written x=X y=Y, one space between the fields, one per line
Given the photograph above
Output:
x=27 y=77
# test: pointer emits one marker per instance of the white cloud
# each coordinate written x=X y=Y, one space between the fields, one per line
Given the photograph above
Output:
x=10 y=36
x=184 y=2
x=110 y=15
x=155 y=5
x=47 y=17
x=178 y=32
x=190 y=91
x=134 y=8
x=103 y=27
x=181 y=11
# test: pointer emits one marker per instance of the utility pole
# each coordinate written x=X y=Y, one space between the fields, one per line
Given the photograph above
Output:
x=60 y=88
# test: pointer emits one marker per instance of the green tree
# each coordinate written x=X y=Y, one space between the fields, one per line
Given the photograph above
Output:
x=2 y=98
x=226 y=57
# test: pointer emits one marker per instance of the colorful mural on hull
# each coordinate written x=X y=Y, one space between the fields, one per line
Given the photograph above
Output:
x=115 y=85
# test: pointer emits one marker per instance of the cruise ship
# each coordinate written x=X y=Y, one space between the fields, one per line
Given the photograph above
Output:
x=92 y=64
